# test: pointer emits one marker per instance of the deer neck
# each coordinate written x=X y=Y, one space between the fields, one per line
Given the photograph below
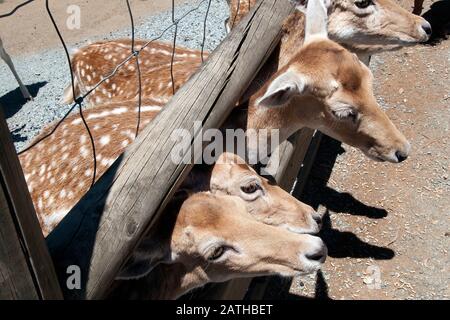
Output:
x=301 y=112
x=165 y=282
x=292 y=38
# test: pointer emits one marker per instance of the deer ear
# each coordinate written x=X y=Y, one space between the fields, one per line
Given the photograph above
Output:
x=300 y=5
x=282 y=89
x=143 y=261
x=317 y=19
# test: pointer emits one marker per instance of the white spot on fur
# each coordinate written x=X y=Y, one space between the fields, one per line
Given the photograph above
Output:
x=42 y=170
x=55 y=217
x=76 y=121
x=105 y=140
x=149 y=109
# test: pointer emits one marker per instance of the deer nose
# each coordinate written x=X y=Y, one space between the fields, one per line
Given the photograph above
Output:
x=319 y=255
x=426 y=26
x=401 y=156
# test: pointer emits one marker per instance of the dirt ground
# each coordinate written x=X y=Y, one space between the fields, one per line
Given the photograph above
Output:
x=95 y=21
x=387 y=226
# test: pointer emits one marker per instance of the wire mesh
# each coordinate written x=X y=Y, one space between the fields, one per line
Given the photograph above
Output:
x=134 y=53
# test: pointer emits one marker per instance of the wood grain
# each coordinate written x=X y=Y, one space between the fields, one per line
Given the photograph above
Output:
x=26 y=269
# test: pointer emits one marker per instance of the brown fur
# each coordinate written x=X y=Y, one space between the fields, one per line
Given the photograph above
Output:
x=96 y=61
x=59 y=169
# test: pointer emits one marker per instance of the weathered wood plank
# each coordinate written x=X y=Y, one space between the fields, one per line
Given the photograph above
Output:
x=26 y=269
x=299 y=155
x=99 y=234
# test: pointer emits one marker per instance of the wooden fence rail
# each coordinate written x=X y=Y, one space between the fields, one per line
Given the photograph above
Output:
x=100 y=233
x=26 y=269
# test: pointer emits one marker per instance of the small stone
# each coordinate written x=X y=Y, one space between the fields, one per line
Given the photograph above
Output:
x=367 y=280
x=401 y=90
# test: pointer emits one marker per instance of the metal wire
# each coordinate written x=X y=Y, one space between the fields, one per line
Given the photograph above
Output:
x=173 y=46
x=77 y=101
x=15 y=9
x=138 y=68
x=204 y=30
x=134 y=53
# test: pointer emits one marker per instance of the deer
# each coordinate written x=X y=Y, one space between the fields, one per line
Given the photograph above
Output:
x=354 y=118
x=92 y=63
x=6 y=57
x=365 y=27
x=212 y=238
x=326 y=88
x=59 y=166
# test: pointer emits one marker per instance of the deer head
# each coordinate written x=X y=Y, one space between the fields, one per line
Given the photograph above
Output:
x=370 y=26
x=362 y=26
x=265 y=200
x=213 y=238
x=326 y=87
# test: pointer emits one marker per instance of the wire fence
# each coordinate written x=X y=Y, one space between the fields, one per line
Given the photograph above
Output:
x=79 y=101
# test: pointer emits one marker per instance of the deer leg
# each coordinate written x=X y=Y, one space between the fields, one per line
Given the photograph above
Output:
x=418 y=7
x=5 y=56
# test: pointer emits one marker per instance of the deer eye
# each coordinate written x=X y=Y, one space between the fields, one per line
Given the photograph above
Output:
x=216 y=254
x=346 y=114
x=250 y=188
x=363 y=4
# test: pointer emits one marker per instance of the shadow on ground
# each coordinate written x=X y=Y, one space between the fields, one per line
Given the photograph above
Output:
x=13 y=101
x=340 y=244
x=439 y=18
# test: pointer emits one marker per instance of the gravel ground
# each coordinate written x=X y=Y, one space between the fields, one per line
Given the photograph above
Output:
x=46 y=73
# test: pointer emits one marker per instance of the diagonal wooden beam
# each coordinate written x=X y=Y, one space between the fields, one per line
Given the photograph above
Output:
x=100 y=233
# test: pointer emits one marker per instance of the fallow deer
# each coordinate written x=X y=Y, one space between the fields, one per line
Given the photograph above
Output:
x=365 y=27
x=325 y=70
x=5 y=56
x=97 y=60
x=325 y=87
x=212 y=238
x=60 y=167
x=362 y=26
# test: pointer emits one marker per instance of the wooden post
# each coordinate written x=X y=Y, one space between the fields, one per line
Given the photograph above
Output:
x=100 y=233
x=26 y=269
x=298 y=158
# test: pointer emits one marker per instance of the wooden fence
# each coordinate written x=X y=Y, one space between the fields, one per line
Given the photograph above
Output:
x=102 y=230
